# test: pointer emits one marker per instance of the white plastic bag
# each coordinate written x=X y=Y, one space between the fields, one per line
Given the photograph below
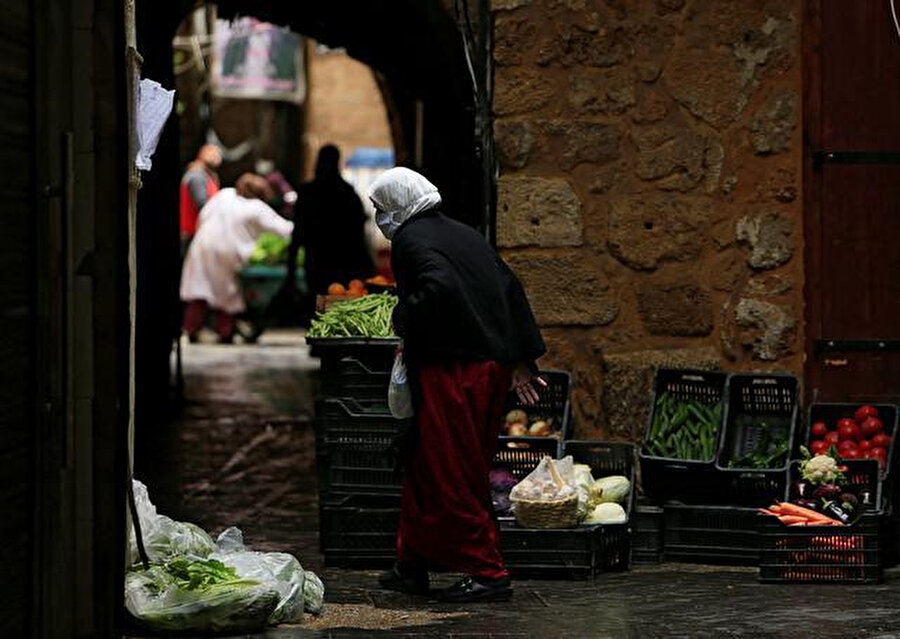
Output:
x=278 y=570
x=399 y=394
x=163 y=537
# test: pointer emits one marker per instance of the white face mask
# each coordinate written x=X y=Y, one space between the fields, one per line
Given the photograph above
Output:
x=385 y=222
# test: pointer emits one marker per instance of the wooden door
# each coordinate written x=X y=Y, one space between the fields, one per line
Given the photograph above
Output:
x=852 y=191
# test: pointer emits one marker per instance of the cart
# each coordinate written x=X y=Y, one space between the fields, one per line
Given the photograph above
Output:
x=260 y=285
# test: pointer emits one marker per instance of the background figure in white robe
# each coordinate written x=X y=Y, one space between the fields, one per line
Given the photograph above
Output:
x=229 y=225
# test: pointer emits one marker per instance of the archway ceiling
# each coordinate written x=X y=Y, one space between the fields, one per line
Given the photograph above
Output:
x=413 y=42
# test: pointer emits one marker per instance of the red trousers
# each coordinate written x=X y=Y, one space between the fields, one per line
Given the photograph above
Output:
x=195 y=315
x=446 y=513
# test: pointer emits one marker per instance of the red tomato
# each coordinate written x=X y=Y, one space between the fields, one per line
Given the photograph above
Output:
x=882 y=440
x=848 y=431
x=847 y=444
x=832 y=438
x=851 y=453
x=818 y=447
x=865 y=412
x=871 y=426
x=819 y=429
x=864 y=445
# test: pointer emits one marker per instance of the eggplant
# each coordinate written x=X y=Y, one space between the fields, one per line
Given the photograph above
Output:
x=827 y=491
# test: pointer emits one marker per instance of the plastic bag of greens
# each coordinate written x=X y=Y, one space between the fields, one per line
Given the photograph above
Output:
x=399 y=393
x=280 y=571
x=198 y=596
x=163 y=537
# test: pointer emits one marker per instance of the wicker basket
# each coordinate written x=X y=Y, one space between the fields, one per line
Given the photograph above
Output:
x=557 y=513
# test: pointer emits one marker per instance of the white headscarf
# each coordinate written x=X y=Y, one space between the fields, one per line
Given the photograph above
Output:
x=398 y=194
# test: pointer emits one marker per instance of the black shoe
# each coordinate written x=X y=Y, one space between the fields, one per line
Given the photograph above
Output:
x=471 y=589
x=410 y=580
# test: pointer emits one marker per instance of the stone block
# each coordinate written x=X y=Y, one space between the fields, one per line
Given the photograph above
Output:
x=646 y=231
x=628 y=381
x=534 y=211
x=514 y=141
x=518 y=90
x=601 y=91
x=564 y=290
x=676 y=308
x=774 y=123
x=765 y=328
x=708 y=83
x=770 y=237
x=581 y=141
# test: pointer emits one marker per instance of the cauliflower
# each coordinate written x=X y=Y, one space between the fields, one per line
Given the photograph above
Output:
x=821 y=469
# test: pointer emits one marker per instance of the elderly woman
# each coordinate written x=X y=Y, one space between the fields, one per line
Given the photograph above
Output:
x=229 y=225
x=469 y=335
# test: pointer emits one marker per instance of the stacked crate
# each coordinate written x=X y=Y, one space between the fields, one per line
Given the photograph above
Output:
x=359 y=489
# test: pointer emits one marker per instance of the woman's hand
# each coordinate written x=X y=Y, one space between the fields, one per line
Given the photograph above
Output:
x=524 y=383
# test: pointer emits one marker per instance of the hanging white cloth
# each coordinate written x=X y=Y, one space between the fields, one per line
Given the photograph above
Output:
x=228 y=228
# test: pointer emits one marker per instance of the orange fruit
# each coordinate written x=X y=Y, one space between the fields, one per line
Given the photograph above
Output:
x=336 y=289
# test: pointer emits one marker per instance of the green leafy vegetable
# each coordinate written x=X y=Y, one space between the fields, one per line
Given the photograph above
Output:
x=367 y=316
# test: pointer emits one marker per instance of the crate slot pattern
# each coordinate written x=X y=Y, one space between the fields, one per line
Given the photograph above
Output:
x=774 y=396
x=665 y=478
x=711 y=534
x=821 y=554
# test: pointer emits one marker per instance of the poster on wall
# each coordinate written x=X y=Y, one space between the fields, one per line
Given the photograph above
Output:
x=258 y=61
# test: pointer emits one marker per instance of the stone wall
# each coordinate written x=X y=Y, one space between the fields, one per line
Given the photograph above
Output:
x=345 y=106
x=649 y=195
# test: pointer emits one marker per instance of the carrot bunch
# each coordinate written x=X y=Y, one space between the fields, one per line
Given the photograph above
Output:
x=794 y=515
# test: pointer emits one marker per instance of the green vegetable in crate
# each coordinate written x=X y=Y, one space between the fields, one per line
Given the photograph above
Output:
x=271 y=249
x=771 y=447
x=613 y=489
x=607 y=513
x=683 y=429
x=368 y=316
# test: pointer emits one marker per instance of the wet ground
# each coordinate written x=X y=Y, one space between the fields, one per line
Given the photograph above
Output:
x=241 y=452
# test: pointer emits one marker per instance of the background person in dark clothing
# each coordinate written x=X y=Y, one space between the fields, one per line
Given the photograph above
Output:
x=330 y=225
x=469 y=335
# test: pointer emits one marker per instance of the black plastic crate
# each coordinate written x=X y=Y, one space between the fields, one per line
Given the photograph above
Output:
x=569 y=553
x=581 y=552
x=354 y=367
x=665 y=478
x=830 y=413
x=821 y=554
x=355 y=448
x=521 y=455
x=711 y=534
x=756 y=403
x=647 y=535
x=553 y=403
x=357 y=532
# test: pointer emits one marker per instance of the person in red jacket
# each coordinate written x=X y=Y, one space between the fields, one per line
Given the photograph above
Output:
x=199 y=184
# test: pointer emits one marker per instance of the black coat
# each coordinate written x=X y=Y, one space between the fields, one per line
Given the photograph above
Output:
x=330 y=224
x=458 y=300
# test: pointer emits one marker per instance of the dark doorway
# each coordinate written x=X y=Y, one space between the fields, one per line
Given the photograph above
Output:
x=852 y=190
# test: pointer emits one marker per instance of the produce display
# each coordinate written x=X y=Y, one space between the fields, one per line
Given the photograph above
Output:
x=683 y=429
x=772 y=445
x=862 y=436
x=519 y=424
x=271 y=249
x=368 y=316
x=600 y=501
x=822 y=495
